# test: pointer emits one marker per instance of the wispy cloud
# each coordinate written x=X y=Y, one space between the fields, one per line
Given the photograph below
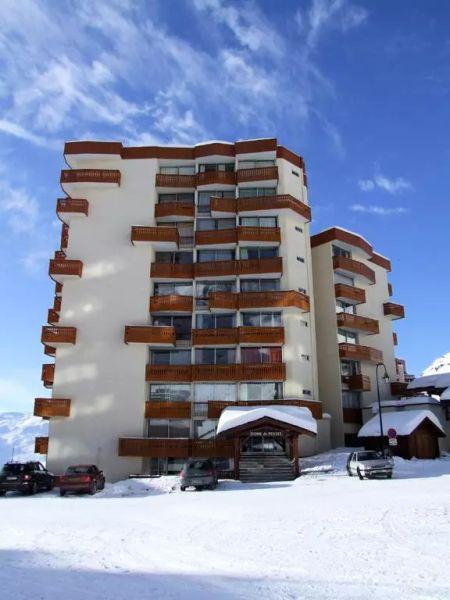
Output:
x=392 y=186
x=19 y=208
x=378 y=210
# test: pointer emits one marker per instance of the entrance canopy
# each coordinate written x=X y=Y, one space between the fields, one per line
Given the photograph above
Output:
x=404 y=422
x=295 y=419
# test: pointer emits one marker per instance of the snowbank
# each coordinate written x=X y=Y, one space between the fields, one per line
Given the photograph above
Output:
x=234 y=416
x=404 y=422
x=148 y=486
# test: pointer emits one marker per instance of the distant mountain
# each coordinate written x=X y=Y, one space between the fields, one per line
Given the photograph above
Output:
x=17 y=431
x=439 y=366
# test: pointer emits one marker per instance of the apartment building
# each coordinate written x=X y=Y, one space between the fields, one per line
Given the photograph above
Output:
x=354 y=330
x=183 y=287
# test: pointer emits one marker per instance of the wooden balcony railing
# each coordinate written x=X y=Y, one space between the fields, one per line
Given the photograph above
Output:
x=264 y=372
x=182 y=373
x=58 y=335
x=171 y=271
x=64 y=236
x=90 y=176
x=223 y=205
x=216 y=268
x=223 y=300
x=172 y=303
x=215 y=408
x=71 y=206
x=394 y=338
x=357 y=323
x=261 y=266
x=357 y=383
x=150 y=335
x=216 y=177
x=399 y=388
x=57 y=304
x=214 y=337
x=175 y=448
x=259 y=234
x=217 y=237
x=395 y=311
x=50 y=351
x=176 y=181
x=41 y=445
x=349 y=265
x=164 y=235
x=286 y=299
x=48 y=374
x=352 y=415
x=261 y=335
x=273 y=204
x=58 y=289
x=65 y=268
x=216 y=372
x=51 y=407
x=349 y=293
x=167 y=410
x=358 y=352
x=52 y=317
x=257 y=174
x=175 y=209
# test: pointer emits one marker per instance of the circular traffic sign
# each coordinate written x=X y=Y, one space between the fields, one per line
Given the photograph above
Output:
x=392 y=433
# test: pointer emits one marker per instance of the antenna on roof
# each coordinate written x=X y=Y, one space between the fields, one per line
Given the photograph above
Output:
x=12 y=454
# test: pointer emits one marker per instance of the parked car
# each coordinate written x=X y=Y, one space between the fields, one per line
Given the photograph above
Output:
x=26 y=477
x=81 y=479
x=199 y=473
x=369 y=463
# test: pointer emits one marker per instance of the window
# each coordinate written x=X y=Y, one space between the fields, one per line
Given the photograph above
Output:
x=204 y=198
x=255 y=164
x=207 y=168
x=261 y=391
x=256 y=192
x=182 y=325
x=178 y=170
x=182 y=197
x=339 y=278
x=255 y=252
x=204 y=288
x=205 y=429
x=261 y=355
x=174 y=258
x=261 y=319
x=305 y=357
x=258 y=221
x=215 y=255
x=345 y=307
x=338 y=251
x=170 y=392
x=349 y=368
x=295 y=173
x=260 y=285
x=347 y=337
x=299 y=229
x=215 y=224
x=307 y=392
x=351 y=399
x=215 y=356
x=300 y=259
x=170 y=357
x=166 y=289
x=304 y=323
x=226 y=392
x=169 y=428
x=215 y=321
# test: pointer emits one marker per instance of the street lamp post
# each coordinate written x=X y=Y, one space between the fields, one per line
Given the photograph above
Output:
x=386 y=378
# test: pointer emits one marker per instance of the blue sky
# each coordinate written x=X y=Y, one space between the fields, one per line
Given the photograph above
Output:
x=360 y=88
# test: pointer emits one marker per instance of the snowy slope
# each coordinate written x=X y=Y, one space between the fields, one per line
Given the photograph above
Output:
x=17 y=431
x=438 y=366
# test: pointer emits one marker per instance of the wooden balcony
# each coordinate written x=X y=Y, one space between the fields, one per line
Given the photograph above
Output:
x=394 y=338
x=50 y=351
x=51 y=407
x=167 y=410
x=216 y=268
x=73 y=180
x=175 y=211
x=154 y=447
x=358 y=352
x=357 y=383
x=272 y=267
x=215 y=408
x=57 y=304
x=264 y=372
x=271 y=205
x=161 y=238
x=351 y=267
x=349 y=293
x=48 y=375
x=216 y=372
x=352 y=322
x=52 y=317
x=256 y=236
x=261 y=335
x=69 y=208
x=215 y=337
x=257 y=174
x=187 y=182
x=287 y=299
x=171 y=271
x=352 y=415
x=399 y=388
x=58 y=289
x=223 y=301
x=152 y=336
x=220 y=237
x=173 y=303
x=394 y=311
x=61 y=269
x=169 y=373
x=64 y=236
x=223 y=207
x=216 y=178
x=55 y=336
x=41 y=445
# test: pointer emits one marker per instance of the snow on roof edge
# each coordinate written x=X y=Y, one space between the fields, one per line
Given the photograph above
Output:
x=404 y=422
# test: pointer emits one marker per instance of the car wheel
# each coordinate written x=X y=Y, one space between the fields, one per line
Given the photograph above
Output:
x=33 y=489
x=92 y=488
x=350 y=474
x=359 y=473
x=2 y=493
x=62 y=493
x=182 y=488
x=389 y=475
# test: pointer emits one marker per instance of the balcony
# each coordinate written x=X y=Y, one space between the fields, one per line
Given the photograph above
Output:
x=352 y=415
x=261 y=335
x=223 y=301
x=50 y=351
x=216 y=372
x=69 y=208
x=167 y=410
x=187 y=182
x=258 y=174
x=152 y=336
x=288 y=299
x=171 y=271
x=358 y=352
x=55 y=336
x=268 y=267
x=357 y=323
x=399 y=388
x=394 y=338
x=62 y=269
x=216 y=178
x=58 y=290
x=393 y=311
x=74 y=180
x=264 y=372
x=259 y=236
x=271 y=205
x=350 y=267
x=169 y=373
x=175 y=448
x=41 y=445
x=57 y=304
x=357 y=383
x=215 y=269
x=223 y=207
x=64 y=236
x=48 y=375
x=221 y=237
x=173 y=303
x=174 y=211
x=215 y=408
x=349 y=293
x=51 y=407
x=215 y=337
x=52 y=317
x=161 y=238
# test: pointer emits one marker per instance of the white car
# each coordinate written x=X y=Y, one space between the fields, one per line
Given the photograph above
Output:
x=368 y=463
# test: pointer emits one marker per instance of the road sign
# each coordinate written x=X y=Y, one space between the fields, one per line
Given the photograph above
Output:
x=392 y=433
x=392 y=441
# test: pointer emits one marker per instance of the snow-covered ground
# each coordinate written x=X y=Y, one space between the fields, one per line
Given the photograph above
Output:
x=325 y=535
x=17 y=433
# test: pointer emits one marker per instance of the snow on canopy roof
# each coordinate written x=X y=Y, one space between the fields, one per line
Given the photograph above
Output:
x=406 y=401
x=404 y=422
x=234 y=416
x=446 y=394
x=439 y=380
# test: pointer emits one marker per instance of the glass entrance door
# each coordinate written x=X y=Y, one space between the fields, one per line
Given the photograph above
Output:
x=266 y=442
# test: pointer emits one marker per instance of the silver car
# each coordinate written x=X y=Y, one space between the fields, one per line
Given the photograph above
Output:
x=369 y=463
x=199 y=473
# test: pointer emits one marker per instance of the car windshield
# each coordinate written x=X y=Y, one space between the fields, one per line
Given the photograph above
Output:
x=198 y=465
x=15 y=469
x=368 y=455
x=77 y=469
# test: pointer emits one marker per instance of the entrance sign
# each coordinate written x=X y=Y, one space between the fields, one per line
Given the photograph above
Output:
x=393 y=441
x=391 y=433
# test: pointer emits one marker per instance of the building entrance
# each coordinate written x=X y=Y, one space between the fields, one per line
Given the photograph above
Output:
x=266 y=442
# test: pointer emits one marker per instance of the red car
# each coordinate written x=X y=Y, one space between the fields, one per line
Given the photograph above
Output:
x=81 y=478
